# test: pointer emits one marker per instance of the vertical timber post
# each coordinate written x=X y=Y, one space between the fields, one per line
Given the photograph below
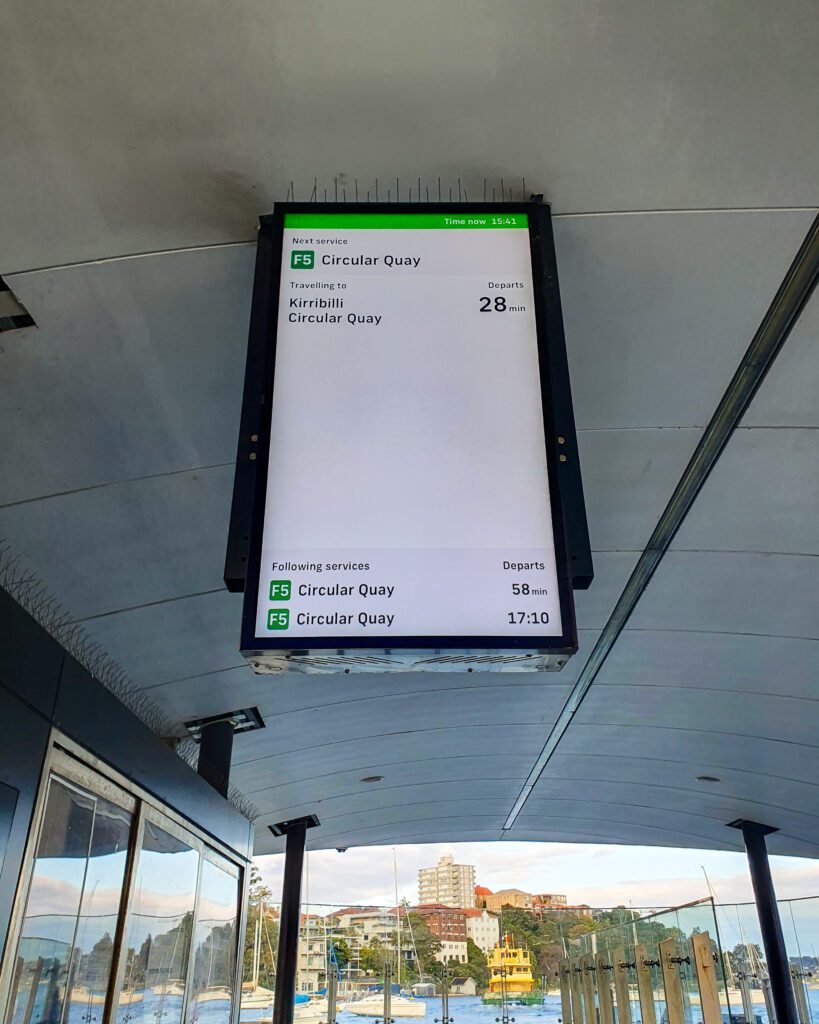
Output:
x=575 y=966
x=288 y=956
x=770 y=925
x=705 y=967
x=645 y=986
x=565 y=973
x=587 y=981
x=605 y=1003
x=621 y=968
x=675 y=1011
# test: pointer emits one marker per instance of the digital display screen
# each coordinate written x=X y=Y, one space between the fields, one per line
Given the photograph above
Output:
x=407 y=490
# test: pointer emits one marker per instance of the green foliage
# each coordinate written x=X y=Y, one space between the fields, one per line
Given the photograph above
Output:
x=741 y=962
x=475 y=967
x=427 y=946
x=373 y=957
x=546 y=935
x=342 y=951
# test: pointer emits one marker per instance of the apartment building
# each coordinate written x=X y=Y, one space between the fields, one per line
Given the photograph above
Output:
x=448 y=883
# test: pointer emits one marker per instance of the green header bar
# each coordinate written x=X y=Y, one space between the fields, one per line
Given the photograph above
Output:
x=402 y=221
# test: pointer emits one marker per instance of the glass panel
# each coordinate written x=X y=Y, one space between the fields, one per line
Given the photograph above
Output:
x=158 y=937
x=66 y=940
x=214 y=947
x=99 y=911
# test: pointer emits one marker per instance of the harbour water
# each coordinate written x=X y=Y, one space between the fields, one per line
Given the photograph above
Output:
x=471 y=1010
x=463 y=1009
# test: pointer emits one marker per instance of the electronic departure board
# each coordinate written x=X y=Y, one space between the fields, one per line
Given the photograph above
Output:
x=407 y=511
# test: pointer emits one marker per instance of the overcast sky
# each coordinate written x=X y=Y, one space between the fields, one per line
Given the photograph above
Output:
x=597 y=875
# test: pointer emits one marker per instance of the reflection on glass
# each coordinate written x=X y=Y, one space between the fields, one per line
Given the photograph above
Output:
x=157 y=942
x=214 y=947
x=64 y=956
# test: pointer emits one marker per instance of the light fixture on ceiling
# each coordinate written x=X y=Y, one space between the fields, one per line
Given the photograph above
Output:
x=707 y=778
x=243 y=720
x=373 y=778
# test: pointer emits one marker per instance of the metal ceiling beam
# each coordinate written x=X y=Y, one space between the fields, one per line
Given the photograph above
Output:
x=784 y=311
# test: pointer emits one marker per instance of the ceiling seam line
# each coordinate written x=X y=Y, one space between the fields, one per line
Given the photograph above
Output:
x=666 y=789
x=456 y=691
x=101 y=260
x=334 y=772
x=603 y=821
x=712 y=689
x=721 y=632
x=385 y=735
x=186 y=679
x=555 y=216
x=678 y=210
x=387 y=789
x=741 y=551
x=782 y=314
x=674 y=761
x=116 y=483
x=148 y=604
x=704 y=732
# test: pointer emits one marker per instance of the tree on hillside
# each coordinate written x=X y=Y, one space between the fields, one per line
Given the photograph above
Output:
x=427 y=946
x=475 y=966
x=342 y=952
x=739 y=960
x=372 y=957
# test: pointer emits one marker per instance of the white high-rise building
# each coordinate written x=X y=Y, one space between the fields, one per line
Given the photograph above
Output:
x=448 y=883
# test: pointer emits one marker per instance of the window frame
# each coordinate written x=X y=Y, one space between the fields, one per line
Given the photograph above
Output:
x=72 y=763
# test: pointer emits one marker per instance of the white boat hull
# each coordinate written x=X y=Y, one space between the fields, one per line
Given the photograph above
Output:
x=400 y=1007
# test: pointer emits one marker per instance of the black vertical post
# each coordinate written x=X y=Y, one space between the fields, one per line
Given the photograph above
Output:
x=288 y=956
x=215 y=752
x=772 y=938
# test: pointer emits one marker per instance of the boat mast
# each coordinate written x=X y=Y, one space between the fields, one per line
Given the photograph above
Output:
x=257 y=949
x=397 y=919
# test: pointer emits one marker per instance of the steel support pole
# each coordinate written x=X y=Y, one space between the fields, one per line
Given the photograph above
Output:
x=215 y=752
x=287 y=960
x=770 y=925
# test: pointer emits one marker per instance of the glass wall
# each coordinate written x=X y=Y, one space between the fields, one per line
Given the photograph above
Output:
x=635 y=945
x=126 y=916
x=744 y=992
x=65 y=953
x=157 y=942
x=214 y=966
x=745 y=956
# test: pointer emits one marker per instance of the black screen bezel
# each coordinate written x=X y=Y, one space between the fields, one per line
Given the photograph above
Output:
x=262 y=347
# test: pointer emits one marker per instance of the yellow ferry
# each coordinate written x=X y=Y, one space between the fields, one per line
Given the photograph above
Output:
x=510 y=975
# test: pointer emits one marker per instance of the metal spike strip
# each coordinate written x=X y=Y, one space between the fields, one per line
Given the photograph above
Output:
x=32 y=595
x=446 y=192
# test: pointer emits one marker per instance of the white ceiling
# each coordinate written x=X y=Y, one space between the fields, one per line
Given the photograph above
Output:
x=168 y=130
